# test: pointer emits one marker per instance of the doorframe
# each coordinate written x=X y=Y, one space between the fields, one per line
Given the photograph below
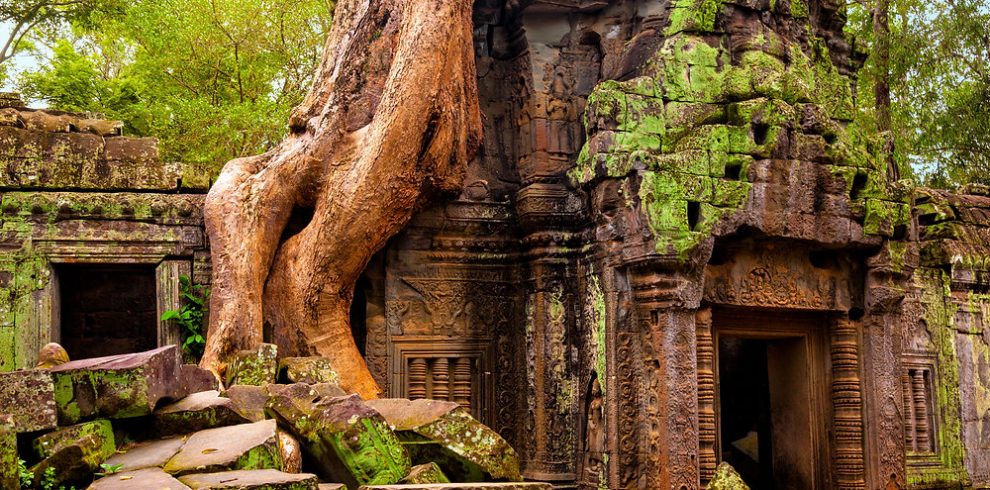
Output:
x=814 y=328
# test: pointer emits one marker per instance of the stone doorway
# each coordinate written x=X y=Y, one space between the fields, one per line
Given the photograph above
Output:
x=107 y=309
x=771 y=413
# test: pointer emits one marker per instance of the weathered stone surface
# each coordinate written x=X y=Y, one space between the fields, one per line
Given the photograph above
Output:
x=204 y=410
x=51 y=355
x=309 y=370
x=463 y=486
x=50 y=443
x=9 y=474
x=332 y=486
x=77 y=459
x=445 y=433
x=253 y=367
x=349 y=441
x=251 y=480
x=122 y=386
x=425 y=473
x=236 y=447
x=147 y=478
x=196 y=379
x=726 y=478
x=28 y=396
x=249 y=401
x=146 y=454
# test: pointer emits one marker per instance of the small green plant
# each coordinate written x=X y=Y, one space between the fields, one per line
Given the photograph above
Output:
x=24 y=474
x=190 y=316
x=48 y=479
x=108 y=469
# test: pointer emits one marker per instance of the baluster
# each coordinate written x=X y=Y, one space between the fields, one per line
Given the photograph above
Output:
x=441 y=379
x=417 y=379
x=462 y=382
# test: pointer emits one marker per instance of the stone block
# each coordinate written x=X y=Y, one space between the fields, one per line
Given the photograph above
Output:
x=445 y=433
x=28 y=396
x=121 y=386
x=76 y=459
x=332 y=486
x=249 y=401
x=203 y=410
x=726 y=478
x=253 y=367
x=349 y=441
x=425 y=473
x=251 y=480
x=236 y=447
x=9 y=470
x=196 y=379
x=150 y=478
x=147 y=454
x=50 y=443
x=309 y=370
x=463 y=486
x=51 y=355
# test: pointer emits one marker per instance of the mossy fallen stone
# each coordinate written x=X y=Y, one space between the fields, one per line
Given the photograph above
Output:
x=464 y=486
x=50 y=443
x=146 y=454
x=447 y=434
x=204 y=410
x=309 y=370
x=349 y=441
x=248 y=401
x=237 y=447
x=28 y=396
x=251 y=480
x=9 y=474
x=290 y=451
x=253 y=367
x=77 y=459
x=150 y=478
x=121 y=386
x=425 y=473
x=726 y=478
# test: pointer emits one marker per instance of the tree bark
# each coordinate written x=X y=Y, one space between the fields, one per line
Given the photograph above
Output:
x=881 y=87
x=392 y=118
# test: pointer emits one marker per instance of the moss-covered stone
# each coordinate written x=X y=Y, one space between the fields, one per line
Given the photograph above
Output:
x=50 y=443
x=236 y=447
x=349 y=441
x=9 y=458
x=76 y=459
x=726 y=478
x=251 y=480
x=425 y=473
x=204 y=410
x=28 y=397
x=253 y=367
x=309 y=370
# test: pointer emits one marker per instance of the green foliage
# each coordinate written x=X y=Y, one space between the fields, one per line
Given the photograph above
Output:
x=940 y=85
x=191 y=316
x=212 y=79
x=25 y=475
x=109 y=469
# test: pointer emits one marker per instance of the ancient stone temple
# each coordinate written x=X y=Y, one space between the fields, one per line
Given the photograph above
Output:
x=676 y=247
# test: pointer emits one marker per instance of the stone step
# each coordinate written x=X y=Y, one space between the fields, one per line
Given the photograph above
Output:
x=463 y=486
x=237 y=447
x=149 y=478
x=147 y=454
x=198 y=411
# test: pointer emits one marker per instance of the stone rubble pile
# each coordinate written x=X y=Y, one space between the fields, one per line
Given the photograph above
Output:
x=145 y=420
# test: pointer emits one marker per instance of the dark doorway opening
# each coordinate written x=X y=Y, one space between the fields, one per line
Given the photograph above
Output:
x=767 y=404
x=107 y=309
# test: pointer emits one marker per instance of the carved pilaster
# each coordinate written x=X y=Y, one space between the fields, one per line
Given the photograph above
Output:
x=417 y=379
x=462 y=382
x=847 y=405
x=707 y=459
x=441 y=379
x=920 y=410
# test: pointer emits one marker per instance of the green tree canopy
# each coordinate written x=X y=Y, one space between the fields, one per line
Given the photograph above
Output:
x=212 y=79
x=940 y=85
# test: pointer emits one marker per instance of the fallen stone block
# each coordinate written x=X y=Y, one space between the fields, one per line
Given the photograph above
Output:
x=425 y=473
x=122 y=386
x=447 y=434
x=309 y=370
x=251 y=480
x=332 y=486
x=237 y=447
x=50 y=443
x=76 y=459
x=463 y=486
x=28 y=396
x=726 y=478
x=149 y=478
x=253 y=367
x=204 y=410
x=349 y=442
x=196 y=379
x=51 y=355
x=146 y=454
x=248 y=401
x=9 y=470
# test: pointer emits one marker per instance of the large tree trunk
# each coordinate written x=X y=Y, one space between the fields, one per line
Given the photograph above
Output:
x=392 y=117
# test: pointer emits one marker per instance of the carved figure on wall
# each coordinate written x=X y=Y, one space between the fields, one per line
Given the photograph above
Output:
x=594 y=433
